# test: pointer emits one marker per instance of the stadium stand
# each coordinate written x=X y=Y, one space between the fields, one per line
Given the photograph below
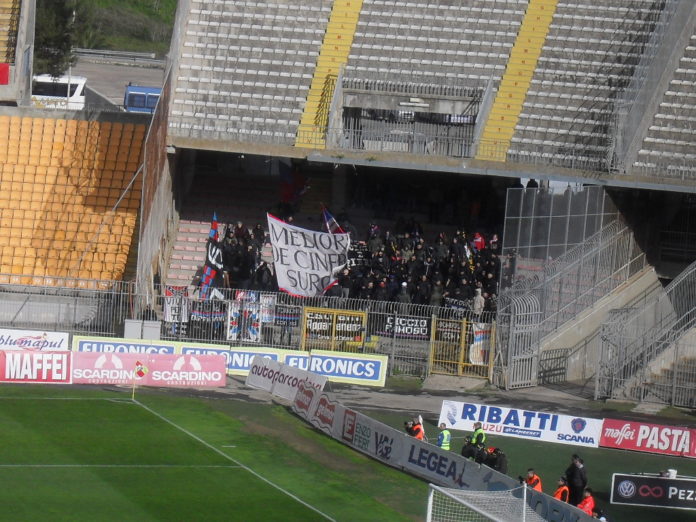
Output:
x=60 y=197
x=671 y=134
x=9 y=24
x=590 y=52
x=248 y=68
x=498 y=89
x=434 y=43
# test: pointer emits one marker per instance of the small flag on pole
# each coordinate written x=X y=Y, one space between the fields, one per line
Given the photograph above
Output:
x=140 y=369
x=332 y=226
x=213 y=234
x=139 y=372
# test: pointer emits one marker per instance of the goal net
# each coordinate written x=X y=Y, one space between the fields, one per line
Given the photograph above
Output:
x=457 y=505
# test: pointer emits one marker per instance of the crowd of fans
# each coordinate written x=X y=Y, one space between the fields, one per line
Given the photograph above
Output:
x=400 y=266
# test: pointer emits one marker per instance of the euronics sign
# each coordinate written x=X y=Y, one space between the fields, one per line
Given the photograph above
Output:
x=351 y=368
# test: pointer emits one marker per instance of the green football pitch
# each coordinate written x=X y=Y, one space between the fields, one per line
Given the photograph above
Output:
x=89 y=454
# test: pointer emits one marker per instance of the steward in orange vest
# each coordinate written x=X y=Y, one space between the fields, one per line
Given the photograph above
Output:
x=533 y=480
x=563 y=491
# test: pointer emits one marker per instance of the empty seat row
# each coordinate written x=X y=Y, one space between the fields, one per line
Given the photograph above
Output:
x=68 y=209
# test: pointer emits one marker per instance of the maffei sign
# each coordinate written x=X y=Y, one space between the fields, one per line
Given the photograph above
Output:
x=63 y=367
x=521 y=423
x=33 y=340
x=35 y=367
x=649 y=438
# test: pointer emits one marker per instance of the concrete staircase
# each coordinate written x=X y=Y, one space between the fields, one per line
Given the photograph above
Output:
x=507 y=106
x=332 y=56
x=241 y=197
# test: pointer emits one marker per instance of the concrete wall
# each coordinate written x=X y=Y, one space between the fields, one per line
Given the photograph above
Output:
x=580 y=337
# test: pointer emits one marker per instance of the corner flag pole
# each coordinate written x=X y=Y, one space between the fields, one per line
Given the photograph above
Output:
x=140 y=370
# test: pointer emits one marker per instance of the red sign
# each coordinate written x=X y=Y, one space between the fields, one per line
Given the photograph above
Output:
x=155 y=369
x=303 y=399
x=106 y=368
x=349 y=420
x=649 y=438
x=325 y=412
x=185 y=371
x=29 y=366
x=4 y=73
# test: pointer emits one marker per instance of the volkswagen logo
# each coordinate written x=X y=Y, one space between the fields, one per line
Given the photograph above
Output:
x=626 y=488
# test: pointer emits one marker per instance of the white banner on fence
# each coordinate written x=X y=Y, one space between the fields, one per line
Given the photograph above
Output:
x=524 y=424
x=33 y=340
x=306 y=262
x=481 y=347
x=280 y=379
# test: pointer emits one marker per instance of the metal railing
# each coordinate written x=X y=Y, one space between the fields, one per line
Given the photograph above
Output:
x=203 y=125
x=630 y=106
x=120 y=57
x=414 y=337
x=565 y=287
x=647 y=352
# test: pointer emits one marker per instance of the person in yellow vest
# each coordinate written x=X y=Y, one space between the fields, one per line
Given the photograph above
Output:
x=478 y=438
x=533 y=480
x=444 y=438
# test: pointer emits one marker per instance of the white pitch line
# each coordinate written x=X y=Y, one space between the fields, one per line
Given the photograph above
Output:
x=9 y=397
x=225 y=455
x=126 y=466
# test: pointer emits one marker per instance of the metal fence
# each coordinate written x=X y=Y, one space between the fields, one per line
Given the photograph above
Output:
x=649 y=351
x=418 y=339
x=632 y=102
x=542 y=224
x=573 y=282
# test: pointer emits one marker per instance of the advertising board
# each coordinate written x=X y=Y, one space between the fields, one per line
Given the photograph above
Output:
x=653 y=491
x=160 y=370
x=280 y=379
x=521 y=423
x=35 y=367
x=33 y=340
x=649 y=438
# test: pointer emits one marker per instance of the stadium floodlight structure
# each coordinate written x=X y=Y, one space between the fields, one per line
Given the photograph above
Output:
x=458 y=505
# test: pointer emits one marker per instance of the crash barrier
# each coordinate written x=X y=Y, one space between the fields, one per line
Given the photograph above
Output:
x=395 y=448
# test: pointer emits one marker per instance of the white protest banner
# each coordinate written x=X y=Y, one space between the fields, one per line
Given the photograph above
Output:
x=524 y=424
x=306 y=262
x=280 y=379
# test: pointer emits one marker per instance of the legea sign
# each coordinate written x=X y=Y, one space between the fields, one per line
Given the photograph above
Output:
x=524 y=424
